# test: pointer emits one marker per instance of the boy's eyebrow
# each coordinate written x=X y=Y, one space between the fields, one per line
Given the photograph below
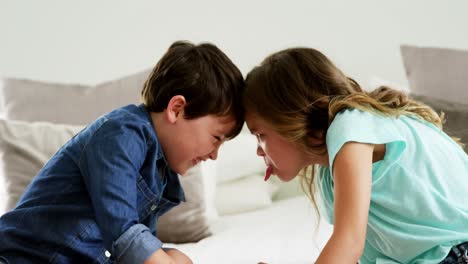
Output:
x=224 y=134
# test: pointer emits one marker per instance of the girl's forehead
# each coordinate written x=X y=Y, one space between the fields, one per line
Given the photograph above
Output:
x=255 y=122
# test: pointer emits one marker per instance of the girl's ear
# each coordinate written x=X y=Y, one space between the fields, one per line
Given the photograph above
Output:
x=316 y=138
x=315 y=141
x=175 y=108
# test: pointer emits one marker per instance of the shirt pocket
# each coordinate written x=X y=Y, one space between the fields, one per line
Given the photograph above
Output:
x=166 y=205
x=147 y=199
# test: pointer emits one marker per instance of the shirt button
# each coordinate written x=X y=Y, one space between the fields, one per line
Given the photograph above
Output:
x=153 y=207
x=107 y=253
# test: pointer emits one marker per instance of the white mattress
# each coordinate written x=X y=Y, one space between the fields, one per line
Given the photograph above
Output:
x=284 y=233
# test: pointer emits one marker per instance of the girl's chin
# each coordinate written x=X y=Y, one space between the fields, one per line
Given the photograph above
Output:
x=285 y=178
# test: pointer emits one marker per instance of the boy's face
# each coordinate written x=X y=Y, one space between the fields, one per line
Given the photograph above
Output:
x=196 y=140
x=283 y=158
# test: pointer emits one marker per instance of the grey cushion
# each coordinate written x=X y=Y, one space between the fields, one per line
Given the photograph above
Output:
x=456 y=116
x=437 y=72
x=75 y=104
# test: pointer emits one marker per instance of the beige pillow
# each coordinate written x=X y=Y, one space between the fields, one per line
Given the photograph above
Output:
x=240 y=150
x=242 y=195
x=25 y=147
x=437 y=72
x=191 y=221
x=75 y=104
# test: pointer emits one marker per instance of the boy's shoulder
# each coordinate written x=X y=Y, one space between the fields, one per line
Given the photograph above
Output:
x=126 y=120
x=130 y=116
x=129 y=112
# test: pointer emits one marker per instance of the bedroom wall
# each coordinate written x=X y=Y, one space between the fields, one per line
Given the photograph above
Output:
x=90 y=41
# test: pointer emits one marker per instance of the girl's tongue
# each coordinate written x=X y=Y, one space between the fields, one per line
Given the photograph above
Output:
x=268 y=172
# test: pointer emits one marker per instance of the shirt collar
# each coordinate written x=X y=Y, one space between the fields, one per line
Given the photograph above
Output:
x=173 y=188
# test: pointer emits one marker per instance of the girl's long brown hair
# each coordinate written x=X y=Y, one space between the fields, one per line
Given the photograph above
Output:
x=299 y=91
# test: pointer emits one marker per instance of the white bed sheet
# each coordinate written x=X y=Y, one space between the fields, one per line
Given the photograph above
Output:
x=285 y=233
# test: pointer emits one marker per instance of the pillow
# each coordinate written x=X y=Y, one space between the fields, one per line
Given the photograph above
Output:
x=456 y=115
x=25 y=147
x=243 y=195
x=436 y=72
x=286 y=190
x=238 y=158
x=75 y=104
x=191 y=221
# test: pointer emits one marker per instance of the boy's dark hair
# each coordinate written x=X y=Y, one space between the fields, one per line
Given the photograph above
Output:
x=204 y=75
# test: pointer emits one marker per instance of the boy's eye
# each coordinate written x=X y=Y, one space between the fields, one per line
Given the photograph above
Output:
x=217 y=138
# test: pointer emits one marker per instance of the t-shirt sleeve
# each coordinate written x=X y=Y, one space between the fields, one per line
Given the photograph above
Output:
x=352 y=125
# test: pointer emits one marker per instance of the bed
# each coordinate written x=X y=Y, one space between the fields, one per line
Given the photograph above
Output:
x=285 y=232
x=231 y=215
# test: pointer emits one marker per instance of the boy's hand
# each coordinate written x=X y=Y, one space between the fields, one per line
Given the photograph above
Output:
x=168 y=256
x=160 y=257
x=178 y=256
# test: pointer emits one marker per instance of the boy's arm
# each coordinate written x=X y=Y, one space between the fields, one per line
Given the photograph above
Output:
x=352 y=176
x=110 y=164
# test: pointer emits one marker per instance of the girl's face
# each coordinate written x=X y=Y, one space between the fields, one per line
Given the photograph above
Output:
x=283 y=158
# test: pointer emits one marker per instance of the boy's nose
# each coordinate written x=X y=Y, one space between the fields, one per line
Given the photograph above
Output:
x=260 y=151
x=214 y=154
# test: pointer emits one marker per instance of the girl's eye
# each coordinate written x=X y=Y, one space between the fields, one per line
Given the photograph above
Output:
x=217 y=138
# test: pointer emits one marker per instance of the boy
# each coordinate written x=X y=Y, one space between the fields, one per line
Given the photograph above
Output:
x=98 y=198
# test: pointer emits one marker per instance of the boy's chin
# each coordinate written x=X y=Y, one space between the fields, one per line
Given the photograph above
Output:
x=183 y=173
x=183 y=170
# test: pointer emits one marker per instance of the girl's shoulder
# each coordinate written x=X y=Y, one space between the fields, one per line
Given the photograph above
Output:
x=353 y=117
x=353 y=125
x=358 y=124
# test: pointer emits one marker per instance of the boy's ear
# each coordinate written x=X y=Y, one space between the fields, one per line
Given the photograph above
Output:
x=175 y=108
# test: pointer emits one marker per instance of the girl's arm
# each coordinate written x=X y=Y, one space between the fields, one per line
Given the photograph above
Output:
x=352 y=175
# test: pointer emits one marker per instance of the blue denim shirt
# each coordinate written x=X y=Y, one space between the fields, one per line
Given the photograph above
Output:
x=97 y=199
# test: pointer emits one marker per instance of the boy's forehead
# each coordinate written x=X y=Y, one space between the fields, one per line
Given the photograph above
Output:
x=225 y=124
x=226 y=119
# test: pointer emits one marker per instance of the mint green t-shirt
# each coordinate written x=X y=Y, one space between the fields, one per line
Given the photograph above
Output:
x=419 y=198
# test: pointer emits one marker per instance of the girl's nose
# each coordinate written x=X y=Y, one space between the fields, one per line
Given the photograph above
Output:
x=260 y=151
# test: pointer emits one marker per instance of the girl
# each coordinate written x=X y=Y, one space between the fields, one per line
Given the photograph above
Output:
x=392 y=182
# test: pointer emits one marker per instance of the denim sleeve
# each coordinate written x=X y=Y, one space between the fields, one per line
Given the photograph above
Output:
x=110 y=163
x=136 y=245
